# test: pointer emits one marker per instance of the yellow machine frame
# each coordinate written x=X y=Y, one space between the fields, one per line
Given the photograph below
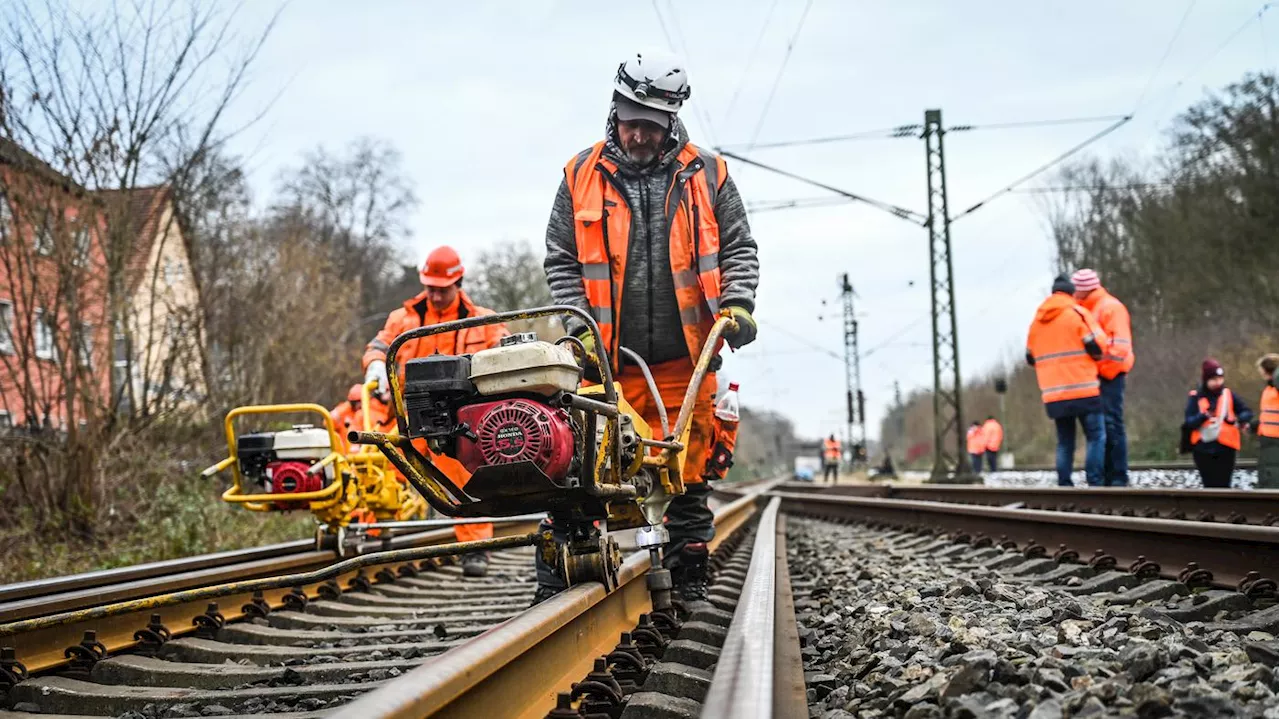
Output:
x=364 y=479
x=607 y=479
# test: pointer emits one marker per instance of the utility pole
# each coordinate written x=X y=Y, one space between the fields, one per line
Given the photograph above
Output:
x=948 y=428
x=854 y=401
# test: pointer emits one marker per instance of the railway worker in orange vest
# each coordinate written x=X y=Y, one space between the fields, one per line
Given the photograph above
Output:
x=649 y=235
x=441 y=300
x=1267 y=425
x=976 y=444
x=831 y=459
x=347 y=415
x=1214 y=417
x=1117 y=360
x=993 y=433
x=1064 y=344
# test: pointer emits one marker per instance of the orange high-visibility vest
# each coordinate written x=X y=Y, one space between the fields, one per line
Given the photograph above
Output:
x=1228 y=433
x=418 y=312
x=602 y=225
x=976 y=440
x=1113 y=317
x=1269 y=412
x=994 y=434
x=831 y=450
x=1064 y=369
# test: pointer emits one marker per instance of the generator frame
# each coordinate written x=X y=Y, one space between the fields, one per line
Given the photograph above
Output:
x=635 y=495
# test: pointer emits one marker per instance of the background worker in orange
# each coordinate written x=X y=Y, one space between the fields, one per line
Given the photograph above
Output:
x=649 y=235
x=349 y=415
x=1267 y=425
x=1064 y=344
x=993 y=437
x=442 y=300
x=1117 y=360
x=831 y=459
x=1214 y=416
x=975 y=444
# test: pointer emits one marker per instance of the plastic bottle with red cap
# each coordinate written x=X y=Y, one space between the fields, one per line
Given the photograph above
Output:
x=727 y=407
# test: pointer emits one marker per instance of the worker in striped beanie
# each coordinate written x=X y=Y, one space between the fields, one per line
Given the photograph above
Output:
x=1115 y=364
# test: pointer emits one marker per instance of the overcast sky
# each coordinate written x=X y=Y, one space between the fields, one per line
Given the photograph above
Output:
x=487 y=100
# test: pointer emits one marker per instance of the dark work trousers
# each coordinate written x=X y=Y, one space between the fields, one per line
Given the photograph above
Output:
x=1215 y=467
x=975 y=460
x=688 y=520
x=1268 y=463
x=1116 y=458
x=830 y=470
x=991 y=460
x=1095 y=438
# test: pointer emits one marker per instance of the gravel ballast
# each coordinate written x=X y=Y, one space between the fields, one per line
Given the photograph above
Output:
x=889 y=629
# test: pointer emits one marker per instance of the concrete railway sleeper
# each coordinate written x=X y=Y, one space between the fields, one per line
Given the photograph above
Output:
x=296 y=662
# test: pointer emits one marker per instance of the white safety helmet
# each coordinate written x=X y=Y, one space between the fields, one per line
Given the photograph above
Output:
x=655 y=79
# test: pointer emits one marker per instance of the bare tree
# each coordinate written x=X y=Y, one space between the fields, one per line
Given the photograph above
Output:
x=94 y=103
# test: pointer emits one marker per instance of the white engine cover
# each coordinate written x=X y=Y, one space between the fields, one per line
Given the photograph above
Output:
x=303 y=442
x=538 y=367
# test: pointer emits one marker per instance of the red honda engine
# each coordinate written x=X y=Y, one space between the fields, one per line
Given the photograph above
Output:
x=291 y=477
x=516 y=430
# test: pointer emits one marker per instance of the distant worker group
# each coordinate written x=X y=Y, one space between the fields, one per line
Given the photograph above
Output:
x=1081 y=346
x=983 y=441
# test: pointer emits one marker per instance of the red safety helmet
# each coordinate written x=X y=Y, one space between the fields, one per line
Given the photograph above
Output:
x=442 y=268
x=355 y=393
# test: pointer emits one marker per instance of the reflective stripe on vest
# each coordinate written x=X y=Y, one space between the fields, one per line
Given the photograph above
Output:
x=1269 y=413
x=1228 y=433
x=602 y=228
x=1056 y=393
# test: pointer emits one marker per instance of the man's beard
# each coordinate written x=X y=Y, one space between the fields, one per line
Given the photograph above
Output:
x=643 y=155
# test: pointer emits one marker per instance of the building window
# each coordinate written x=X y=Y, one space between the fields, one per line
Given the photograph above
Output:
x=81 y=244
x=44 y=236
x=86 y=345
x=172 y=272
x=6 y=327
x=43 y=336
x=6 y=217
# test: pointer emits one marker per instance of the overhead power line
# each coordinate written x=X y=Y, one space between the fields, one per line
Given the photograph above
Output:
x=914 y=130
x=782 y=67
x=751 y=59
x=1010 y=187
x=896 y=211
x=1165 y=56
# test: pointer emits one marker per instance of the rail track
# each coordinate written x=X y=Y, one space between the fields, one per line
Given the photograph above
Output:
x=418 y=639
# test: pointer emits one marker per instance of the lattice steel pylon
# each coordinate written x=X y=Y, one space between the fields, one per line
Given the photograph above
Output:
x=948 y=429
x=854 y=406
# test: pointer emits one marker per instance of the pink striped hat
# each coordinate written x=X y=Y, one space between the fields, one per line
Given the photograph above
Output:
x=1085 y=280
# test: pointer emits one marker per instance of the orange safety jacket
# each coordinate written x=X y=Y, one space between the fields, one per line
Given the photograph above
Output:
x=994 y=435
x=1269 y=412
x=1113 y=318
x=1228 y=432
x=976 y=441
x=1056 y=343
x=602 y=224
x=831 y=450
x=418 y=312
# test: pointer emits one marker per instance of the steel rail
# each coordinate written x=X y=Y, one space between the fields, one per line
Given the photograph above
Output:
x=43 y=649
x=1253 y=506
x=1229 y=551
x=120 y=575
x=528 y=659
x=1170 y=464
x=742 y=685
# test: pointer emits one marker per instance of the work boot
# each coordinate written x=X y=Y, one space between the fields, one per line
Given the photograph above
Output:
x=543 y=593
x=689 y=577
x=475 y=564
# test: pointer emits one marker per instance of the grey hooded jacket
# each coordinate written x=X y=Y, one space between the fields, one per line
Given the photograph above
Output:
x=649 y=318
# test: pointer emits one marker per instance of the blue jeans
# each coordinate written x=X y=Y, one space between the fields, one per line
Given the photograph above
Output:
x=991 y=460
x=975 y=461
x=1116 y=461
x=1095 y=438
